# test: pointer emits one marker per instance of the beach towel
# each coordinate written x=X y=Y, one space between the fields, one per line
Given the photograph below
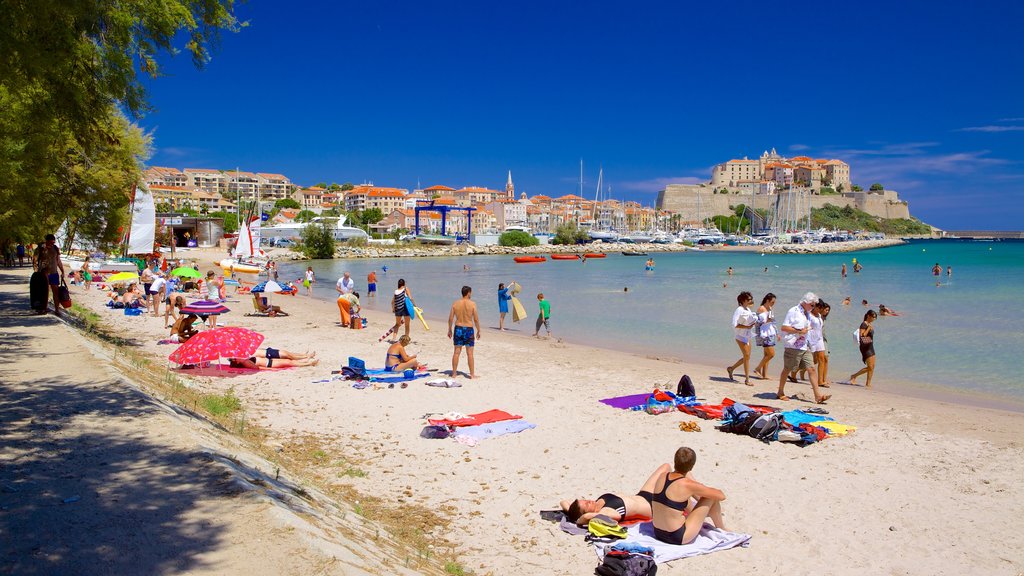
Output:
x=398 y=377
x=627 y=402
x=798 y=417
x=478 y=419
x=834 y=428
x=709 y=540
x=714 y=411
x=495 y=429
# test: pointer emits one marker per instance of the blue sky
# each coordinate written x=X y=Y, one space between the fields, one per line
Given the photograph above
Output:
x=926 y=98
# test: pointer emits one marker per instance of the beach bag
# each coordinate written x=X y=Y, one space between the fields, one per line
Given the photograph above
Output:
x=130 y=311
x=64 y=294
x=685 y=387
x=737 y=418
x=766 y=427
x=656 y=406
x=435 y=432
x=620 y=563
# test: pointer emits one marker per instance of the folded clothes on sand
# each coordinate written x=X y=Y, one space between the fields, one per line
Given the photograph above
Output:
x=709 y=540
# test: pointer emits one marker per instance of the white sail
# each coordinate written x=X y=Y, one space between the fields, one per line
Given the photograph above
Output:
x=143 y=230
x=254 y=233
x=243 y=248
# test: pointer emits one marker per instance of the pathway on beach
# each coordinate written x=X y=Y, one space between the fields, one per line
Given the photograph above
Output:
x=98 y=477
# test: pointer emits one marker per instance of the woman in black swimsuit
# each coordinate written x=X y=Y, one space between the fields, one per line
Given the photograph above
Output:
x=867 y=348
x=676 y=519
x=615 y=507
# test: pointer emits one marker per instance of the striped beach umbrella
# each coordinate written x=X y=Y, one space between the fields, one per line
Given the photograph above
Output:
x=228 y=342
x=205 y=308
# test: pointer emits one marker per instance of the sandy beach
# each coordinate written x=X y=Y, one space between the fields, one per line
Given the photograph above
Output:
x=909 y=492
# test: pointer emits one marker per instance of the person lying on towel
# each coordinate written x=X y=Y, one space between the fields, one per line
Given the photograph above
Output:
x=677 y=518
x=616 y=507
x=275 y=358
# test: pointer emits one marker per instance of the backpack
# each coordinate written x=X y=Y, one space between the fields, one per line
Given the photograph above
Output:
x=618 y=563
x=766 y=426
x=685 y=387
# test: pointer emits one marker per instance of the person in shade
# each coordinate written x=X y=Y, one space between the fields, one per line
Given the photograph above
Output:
x=767 y=332
x=680 y=504
x=867 y=348
x=465 y=318
x=743 y=321
x=503 y=298
x=264 y=363
x=618 y=507
x=798 y=356
x=53 y=267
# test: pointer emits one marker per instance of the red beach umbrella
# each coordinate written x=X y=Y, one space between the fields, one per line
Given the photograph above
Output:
x=228 y=342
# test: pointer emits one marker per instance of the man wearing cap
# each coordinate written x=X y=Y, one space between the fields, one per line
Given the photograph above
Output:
x=797 y=356
x=49 y=259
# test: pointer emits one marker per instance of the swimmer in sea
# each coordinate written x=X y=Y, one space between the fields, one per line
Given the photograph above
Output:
x=883 y=311
x=846 y=301
x=864 y=303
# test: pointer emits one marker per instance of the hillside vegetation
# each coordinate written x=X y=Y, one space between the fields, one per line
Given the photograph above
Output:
x=850 y=218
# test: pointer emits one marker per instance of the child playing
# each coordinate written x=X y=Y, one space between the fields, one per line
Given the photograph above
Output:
x=544 y=318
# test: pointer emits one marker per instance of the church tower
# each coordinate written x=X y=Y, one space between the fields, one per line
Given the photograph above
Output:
x=510 y=189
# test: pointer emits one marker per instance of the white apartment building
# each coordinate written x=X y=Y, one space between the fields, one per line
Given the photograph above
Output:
x=507 y=213
x=273 y=186
x=162 y=176
x=207 y=180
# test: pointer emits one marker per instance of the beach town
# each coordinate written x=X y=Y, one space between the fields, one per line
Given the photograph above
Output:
x=766 y=363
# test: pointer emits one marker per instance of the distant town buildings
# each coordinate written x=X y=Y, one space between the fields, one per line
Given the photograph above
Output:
x=773 y=171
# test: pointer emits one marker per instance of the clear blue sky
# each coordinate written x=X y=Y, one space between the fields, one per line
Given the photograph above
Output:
x=924 y=97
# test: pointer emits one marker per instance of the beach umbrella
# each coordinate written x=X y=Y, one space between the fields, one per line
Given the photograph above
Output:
x=269 y=286
x=205 y=308
x=122 y=277
x=228 y=342
x=185 y=272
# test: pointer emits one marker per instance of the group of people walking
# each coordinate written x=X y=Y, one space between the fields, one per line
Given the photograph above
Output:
x=802 y=334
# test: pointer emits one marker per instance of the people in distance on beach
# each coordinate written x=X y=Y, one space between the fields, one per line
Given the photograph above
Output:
x=465 y=319
x=20 y=250
x=503 y=298
x=883 y=311
x=677 y=518
x=867 y=348
x=797 y=356
x=309 y=280
x=345 y=285
x=949 y=272
x=766 y=335
x=544 y=317
x=936 y=270
x=158 y=293
x=403 y=315
x=371 y=284
x=147 y=277
x=397 y=359
x=182 y=329
x=743 y=320
x=615 y=506
x=846 y=301
x=842 y=271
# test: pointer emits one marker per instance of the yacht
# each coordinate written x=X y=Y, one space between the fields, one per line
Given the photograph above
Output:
x=335 y=223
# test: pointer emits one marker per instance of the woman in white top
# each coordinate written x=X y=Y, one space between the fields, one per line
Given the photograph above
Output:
x=816 y=340
x=742 y=321
x=767 y=333
x=213 y=286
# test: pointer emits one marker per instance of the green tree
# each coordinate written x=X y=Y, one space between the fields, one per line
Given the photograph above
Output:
x=334 y=186
x=827 y=191
x=876 y=187
x=856 y=188
x=320 y=185
x=371 y=216
x=335 y=212
x=287 y=203
x=317 y=241
x=230 y=220
x=305 y=216
x=517 y=238
x=569 y=233
x=346 y=187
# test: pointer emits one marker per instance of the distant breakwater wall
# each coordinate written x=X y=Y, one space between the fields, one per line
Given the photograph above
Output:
x=830 y=246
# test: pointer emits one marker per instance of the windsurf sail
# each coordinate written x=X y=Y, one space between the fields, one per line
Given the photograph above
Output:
x=143 y=231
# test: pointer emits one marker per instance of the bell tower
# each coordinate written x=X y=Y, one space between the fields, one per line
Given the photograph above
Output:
x=510 y=189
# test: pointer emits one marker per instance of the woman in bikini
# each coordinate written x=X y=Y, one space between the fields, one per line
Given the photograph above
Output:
x=678 y=520
x=616 y=507
x=264 y=362
x=398 y=360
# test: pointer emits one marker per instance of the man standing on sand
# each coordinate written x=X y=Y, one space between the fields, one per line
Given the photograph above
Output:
x=797 y=356
x=346 y=285
x=50 y=259
x=465 y=317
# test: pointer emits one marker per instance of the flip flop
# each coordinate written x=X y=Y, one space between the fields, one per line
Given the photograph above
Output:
x=782 y=397
x=815 y=410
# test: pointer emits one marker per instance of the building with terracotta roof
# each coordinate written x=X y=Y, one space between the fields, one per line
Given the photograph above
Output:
x=165 y=176
x=747 y=175
x=507 y=213
x=308 y=198
x=209 y=180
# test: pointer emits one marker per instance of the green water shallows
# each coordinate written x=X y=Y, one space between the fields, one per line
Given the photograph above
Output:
x=965 y=334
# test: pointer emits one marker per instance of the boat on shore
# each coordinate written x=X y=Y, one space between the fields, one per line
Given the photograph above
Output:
x=336 y=225
x=529 y=259
x=565 y=256
x=436 y=239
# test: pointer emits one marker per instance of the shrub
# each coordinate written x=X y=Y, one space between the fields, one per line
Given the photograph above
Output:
x=570 y=234
x=317 y=241
x=517 y=238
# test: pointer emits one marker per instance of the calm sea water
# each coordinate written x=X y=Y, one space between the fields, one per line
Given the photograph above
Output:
x=965 y=334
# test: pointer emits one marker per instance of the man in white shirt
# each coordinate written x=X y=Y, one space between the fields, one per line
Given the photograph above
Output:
x=346 y=285
x=159 y=290
x=798 y=356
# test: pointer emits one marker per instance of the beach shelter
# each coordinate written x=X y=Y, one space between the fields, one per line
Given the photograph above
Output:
x=205 y=308
x=185 y=272
x=227 y=342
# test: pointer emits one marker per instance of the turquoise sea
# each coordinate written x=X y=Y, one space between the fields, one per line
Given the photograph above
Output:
x=963 y=335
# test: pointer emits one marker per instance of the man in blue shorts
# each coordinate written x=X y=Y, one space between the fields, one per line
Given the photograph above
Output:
x=50 y=259
x=465 y=318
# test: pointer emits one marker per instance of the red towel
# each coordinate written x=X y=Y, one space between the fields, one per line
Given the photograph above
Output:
x=477 y=419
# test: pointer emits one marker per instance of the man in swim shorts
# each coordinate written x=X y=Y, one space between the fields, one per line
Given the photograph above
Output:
x=465 y=318
x=50 y=260
x=371 y=284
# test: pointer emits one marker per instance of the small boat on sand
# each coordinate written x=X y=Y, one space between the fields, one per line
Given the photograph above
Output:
x=529 y=259
x=595 y=255
x=565 y=256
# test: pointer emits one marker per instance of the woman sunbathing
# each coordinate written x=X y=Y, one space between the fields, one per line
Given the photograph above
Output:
x=397 y=359
x=264 y=362
x=677 y=520
x=616 y=507
x=263 y=306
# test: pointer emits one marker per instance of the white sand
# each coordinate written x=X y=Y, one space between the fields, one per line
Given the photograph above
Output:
x=923 y=487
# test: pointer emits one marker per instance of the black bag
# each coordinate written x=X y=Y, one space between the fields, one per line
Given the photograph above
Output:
x=64 y=294
x=618 y=563
x=685 y=387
